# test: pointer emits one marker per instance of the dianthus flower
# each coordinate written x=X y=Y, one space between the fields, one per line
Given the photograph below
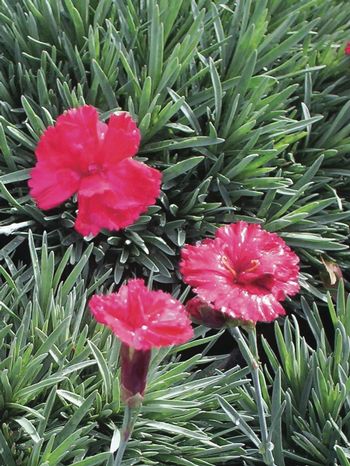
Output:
x=243 y=272
x=83 y=155
x=347 y=49
x=142 y=320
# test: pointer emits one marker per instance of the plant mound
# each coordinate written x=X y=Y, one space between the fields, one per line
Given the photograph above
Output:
x=244 y=109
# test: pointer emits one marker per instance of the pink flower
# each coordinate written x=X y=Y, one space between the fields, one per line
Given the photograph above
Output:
x=244 y=272
x=347 y=49
x=83 y=155
x=142 y=320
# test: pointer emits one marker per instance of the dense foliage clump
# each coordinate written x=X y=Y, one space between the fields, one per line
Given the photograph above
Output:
x=244 y=108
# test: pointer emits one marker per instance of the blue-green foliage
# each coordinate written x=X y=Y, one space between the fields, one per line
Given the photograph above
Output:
x=244 y=108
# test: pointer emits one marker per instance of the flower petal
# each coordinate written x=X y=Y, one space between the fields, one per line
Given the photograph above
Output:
x=142 y=318
x=134 y=184
x=98 y=212
x=95 y=213
x=278 y=264
x=74 y=141
x=94 y=184
x=126 y=191
x=237 y=303
x=347 y=49
x=122 y=138
x=202 y=265
x=50 y=187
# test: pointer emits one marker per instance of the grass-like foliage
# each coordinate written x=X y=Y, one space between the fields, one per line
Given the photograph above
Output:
x=242 y=107
x=59 y=387
x=305 y=388
x=310 y=386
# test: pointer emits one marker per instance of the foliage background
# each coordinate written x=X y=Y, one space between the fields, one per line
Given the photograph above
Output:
x=244 y=106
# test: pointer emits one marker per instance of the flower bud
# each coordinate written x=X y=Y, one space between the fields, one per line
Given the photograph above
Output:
x=134 y=369
x=202 y=313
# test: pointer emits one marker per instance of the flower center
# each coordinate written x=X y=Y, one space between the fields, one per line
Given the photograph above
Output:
x=239 y=275
x=93 y=168
x=228 y=266
x=254 y=265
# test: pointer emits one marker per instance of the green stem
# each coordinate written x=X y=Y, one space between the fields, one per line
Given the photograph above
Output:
x=251 y=357
x=130 y=416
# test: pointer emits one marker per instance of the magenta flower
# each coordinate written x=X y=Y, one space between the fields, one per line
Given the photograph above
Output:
x=142 y=319
x=83 y=155
x=244 y=272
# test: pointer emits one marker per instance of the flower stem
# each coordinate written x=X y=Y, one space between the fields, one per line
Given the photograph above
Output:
x=130 y=416
x=250 y=354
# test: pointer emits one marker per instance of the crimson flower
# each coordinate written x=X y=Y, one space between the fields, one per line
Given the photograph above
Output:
x=347 y=49
x=244 y=272
x=83 y=155
x=142 y=320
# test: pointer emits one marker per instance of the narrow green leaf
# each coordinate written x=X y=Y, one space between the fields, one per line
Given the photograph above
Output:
x=106 y=87
x=174 y=429
x=238 y=421
x=73 y=276
x=182 y=143
x=217 y=92
x=100 y=458
x=104 y=370
x=156 y=45
x=29 y=428
x=180 y=168
x=71 y=426
x=15 y=177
